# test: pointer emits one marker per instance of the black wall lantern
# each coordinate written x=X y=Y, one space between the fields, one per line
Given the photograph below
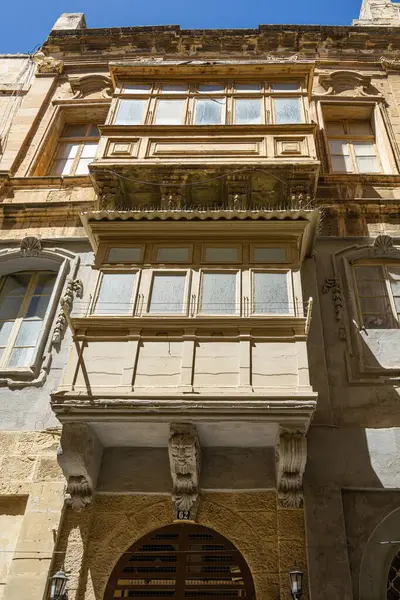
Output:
x=296 y=583
x=58 y=586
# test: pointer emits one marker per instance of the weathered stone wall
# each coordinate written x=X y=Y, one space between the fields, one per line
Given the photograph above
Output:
x=269 y=537
x=31 y=501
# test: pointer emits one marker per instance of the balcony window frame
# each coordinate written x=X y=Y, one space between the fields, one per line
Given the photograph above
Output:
x=135 y=290
x=238 y=292
x=229 y=94
x=147 y=292
x=293 y=309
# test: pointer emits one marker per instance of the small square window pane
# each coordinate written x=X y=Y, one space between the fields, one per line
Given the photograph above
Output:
x=94 y=131
x=89 y=150
x=285 y=87
x=339 y=147
x=21 y=357
x=274 y=255
x=247 y=111
x=37 y=307
x=130 y=112
x=218 y=294
x=364 y=149
x=169 y=112
x=67 y=150
x=137 y=88
x=10 y=306
x=173 y=255
x=28 y=333
x=45 y=283
x=334 y=127
x=174 y=89
x=342 y=164
x=62 y=167
x=210 y=112
x=78 y=130
x=359 y=128
x=271 y=293
x=83 y=166
x=223 y=255
x=120 y=255
x=15 y=285
x=368 y=164
x=287 y=110
x=5 y=330
x=210 y=88
x=167 y=293
x=115 y=295
x=248 y=87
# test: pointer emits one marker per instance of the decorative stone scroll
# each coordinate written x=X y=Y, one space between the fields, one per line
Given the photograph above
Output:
x=74 y=288
x=30 y=246
x=291 y=457
x=184 y=457
x=79 y=456
x=83 y=86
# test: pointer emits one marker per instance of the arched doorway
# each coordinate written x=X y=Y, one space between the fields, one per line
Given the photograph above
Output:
x=181 y=561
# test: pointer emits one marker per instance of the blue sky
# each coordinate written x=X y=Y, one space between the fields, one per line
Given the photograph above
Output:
x=25 y=24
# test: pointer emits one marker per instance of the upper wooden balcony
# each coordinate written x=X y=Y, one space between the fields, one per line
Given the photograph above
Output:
x=197 y=165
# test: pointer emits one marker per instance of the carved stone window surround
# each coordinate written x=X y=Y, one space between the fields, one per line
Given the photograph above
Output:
x=32 y=256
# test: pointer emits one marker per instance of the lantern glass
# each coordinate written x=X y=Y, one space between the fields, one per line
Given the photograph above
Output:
x=58 y=585
x=296 y=582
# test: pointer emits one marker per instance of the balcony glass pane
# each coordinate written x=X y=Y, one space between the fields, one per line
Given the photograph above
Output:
x=274 y=255
x=116 y=294
x=71 y=130
x=173 y=89
x=121 y=255
x=287 y=110
x=172 y=255
x=222 y=255
x=130 y=112
x=137 y=88
x=211 y=88
x=218 y=294
x=285 y=87
x=271 y=294
x=248 y=111
x=210 y=112
x=167 y=293
x=169 y=112
x=367 y=161
x=248 y=87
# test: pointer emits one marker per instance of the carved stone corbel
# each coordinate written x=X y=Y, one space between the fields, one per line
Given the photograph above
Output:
x=79 y=456
x=291 y=458
x=47 y=65
x=184 y=457
x=74 y=288
x=172 y=190
x=238 y=191
x=30 y=246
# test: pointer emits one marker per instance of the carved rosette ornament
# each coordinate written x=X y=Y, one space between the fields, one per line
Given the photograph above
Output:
x=30 y=246
x=74 y=288
x=291 y=457
x=79 y=492
x=184 y=457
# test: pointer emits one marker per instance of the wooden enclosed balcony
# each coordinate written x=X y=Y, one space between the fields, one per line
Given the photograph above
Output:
x=196 y=165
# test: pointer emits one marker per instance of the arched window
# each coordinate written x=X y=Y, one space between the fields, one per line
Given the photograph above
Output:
x=181 y=561
x=393 y=580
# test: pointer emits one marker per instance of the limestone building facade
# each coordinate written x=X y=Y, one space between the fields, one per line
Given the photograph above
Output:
x=199 y=310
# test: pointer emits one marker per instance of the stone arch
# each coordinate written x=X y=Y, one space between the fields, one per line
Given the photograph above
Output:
x=119 y=522
x=173 y=552
x=378 y=557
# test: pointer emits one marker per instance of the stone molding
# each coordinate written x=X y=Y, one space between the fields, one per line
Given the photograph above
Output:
x=291 y=456
x=340 y=82
x=184 y=456
x=74 y=288
x=47 y=65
